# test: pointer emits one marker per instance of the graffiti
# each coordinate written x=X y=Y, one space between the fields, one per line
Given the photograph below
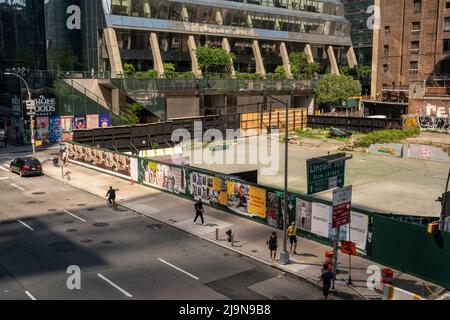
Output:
x=413 y=151
x=434 y=123
x=410 y=123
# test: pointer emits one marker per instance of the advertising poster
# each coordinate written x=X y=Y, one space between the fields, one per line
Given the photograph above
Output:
x=274 y=216
x=92 y=121
x=208 y=188
x=110 y=161
x=303 y=211
x=134 y=169
x=42 y=130
x=320 y=219
x=246 y=200
x=359 y=229
x=66 y=128
x=104 y=121
x=55 y=129
x=79 y=122
x=164 y=177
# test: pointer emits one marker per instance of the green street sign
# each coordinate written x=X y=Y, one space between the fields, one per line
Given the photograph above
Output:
x=324 y=175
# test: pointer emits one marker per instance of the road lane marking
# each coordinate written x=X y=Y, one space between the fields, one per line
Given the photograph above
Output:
x=7 y=164
x=179 y=269
x=23 y=223
x=3 y=168
x=30 y=295
x=115 y=285
x=73 y=215
x=17 y=187
x=4 y=178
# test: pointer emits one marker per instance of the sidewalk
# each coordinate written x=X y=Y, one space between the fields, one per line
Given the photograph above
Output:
x=250 y=237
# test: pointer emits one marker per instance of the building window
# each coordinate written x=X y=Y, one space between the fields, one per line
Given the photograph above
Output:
x=447 y=4
x=413 y=66
x=416 y=26
x=446 y=45
x=417 y=6
x=386 y=49
x=385 y=67
x=415 y=46
x=447 y=24
x=387 y=29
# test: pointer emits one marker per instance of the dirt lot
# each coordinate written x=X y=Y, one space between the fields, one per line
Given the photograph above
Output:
x=380 y=183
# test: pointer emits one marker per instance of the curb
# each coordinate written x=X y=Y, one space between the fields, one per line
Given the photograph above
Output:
x=278 y=267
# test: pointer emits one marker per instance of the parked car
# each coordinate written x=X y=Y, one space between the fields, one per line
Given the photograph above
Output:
x=26 y=166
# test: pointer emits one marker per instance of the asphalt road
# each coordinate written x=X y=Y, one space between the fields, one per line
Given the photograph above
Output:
x=47 y=226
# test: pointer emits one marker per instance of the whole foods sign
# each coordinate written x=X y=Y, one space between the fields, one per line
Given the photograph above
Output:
x=45 y=106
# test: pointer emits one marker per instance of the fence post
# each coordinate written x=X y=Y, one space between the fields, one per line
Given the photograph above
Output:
x=294 y=119
x=270 y=118
x=301 y=121
x=278 y=120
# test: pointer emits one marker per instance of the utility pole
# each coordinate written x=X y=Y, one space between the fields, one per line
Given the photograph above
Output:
x=30 y=104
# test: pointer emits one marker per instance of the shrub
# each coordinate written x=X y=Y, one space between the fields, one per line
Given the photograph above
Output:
x=385 y=136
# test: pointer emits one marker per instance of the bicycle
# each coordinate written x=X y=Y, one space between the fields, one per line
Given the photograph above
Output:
x=112 y=204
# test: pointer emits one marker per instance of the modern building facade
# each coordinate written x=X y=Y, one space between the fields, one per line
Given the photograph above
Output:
x=359 y=13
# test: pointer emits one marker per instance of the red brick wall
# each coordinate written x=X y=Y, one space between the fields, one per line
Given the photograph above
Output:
x=429 y=107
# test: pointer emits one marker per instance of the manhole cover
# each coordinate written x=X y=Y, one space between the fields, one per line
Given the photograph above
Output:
x=108 y=242
x=71 y=230
x=62 y=246
x=254 y=251
x=90 y=209
x=100 y=224
x=174 y=221
x=226 y=254
x=52 y=210
x=154 y=226
x=59 y=214
x=86 y=240
x=68 y=221
x=38 y=193
x=280 y=298
x=81 y=205
x=31 y=202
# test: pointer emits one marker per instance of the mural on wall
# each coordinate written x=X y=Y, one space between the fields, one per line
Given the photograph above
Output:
x=42 y=131
x=163 y=176
x=246 y=199
x=208 y=188
x=55 y=129
x=434 y=123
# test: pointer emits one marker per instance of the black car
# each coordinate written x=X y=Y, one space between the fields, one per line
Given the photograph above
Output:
x=27 y=166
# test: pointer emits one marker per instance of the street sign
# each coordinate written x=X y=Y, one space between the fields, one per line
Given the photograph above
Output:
x=31 y=113
x=348 y=247
x=342 y=199
x=325 y=172
x=31 y=104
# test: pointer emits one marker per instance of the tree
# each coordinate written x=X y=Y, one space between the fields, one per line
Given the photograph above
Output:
x=169 y=70
x=333 y=89
x=131 y=113
x=300 y=65
x=214 y=59
x=62 y=59
x=128 y=69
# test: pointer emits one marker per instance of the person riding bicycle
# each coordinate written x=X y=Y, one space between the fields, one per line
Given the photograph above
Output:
x=111 y=194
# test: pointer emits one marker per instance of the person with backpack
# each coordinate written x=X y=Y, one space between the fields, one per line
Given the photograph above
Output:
x=273 y=245
x=199 y=211
x=327 y=278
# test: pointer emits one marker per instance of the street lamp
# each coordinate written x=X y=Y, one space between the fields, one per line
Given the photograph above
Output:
x=29 y=99
x=284 y=255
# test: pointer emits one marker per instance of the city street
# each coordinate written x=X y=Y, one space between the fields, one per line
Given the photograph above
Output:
x=47 y=226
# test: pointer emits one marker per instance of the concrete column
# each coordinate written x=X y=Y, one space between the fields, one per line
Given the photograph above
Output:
x=309 y=53
x=115 y=100
x=192 y=50
x=375 y=55
x=258 y=59
x=351 y=58
x=311 y=104
x=285 y=58
x=156 y=53
x=226 y=47
x=332 y=58
x=115 y=60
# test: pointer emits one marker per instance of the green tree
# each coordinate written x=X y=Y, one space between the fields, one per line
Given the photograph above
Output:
x=131 y=113
x=62 y=59
x=300 y=65
x=128 y=69
x=169 y=70
x=333 y=89
x=213 y=59
x=280 y=71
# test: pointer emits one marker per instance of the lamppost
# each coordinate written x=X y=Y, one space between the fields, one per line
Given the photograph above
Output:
x=31 y=115
x=284 y=255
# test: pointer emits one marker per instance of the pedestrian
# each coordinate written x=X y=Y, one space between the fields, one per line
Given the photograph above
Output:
x=292 y=233
x=199 y=211
x=273 y=245
x=327 y=278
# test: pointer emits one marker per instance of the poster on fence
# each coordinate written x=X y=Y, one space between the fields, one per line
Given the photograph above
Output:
x=79 y=122
x=208 y=188
x=55 y=129
x=359 y=229
x=134 y=169
x=245 y=199
x=92 y=121
x=163 y=176
x=104 y=121
x=320 y=219
x=43 y=133
x=66 y=128
x=116 y=163
x=274 y=211
x=303 y=211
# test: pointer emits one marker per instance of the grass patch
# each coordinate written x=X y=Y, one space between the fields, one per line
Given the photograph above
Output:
x=312 y=133
x=385 y=136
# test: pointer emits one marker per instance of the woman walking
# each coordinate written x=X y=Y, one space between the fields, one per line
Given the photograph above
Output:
x=273 y=244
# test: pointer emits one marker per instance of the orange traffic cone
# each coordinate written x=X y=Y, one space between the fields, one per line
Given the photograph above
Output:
x=131 y=181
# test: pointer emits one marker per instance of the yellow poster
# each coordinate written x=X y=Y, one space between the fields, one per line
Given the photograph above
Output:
x=230 y=188
x=216 y=184
x=152 y=165
x=257 y=202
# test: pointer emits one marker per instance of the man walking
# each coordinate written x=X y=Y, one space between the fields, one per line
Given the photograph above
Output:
x=111 y=194
x=199 y=211
x=292 y=233
x=327 y=278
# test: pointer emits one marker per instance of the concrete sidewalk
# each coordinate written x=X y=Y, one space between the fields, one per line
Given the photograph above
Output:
x=250 y=237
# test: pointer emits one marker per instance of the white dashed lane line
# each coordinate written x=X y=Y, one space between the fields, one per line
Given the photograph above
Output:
x=3 y=169
x=114 y=285
x=25 y=225
x=16 y=186
x=179 y=269
x=74 y=215
x=30 y=295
